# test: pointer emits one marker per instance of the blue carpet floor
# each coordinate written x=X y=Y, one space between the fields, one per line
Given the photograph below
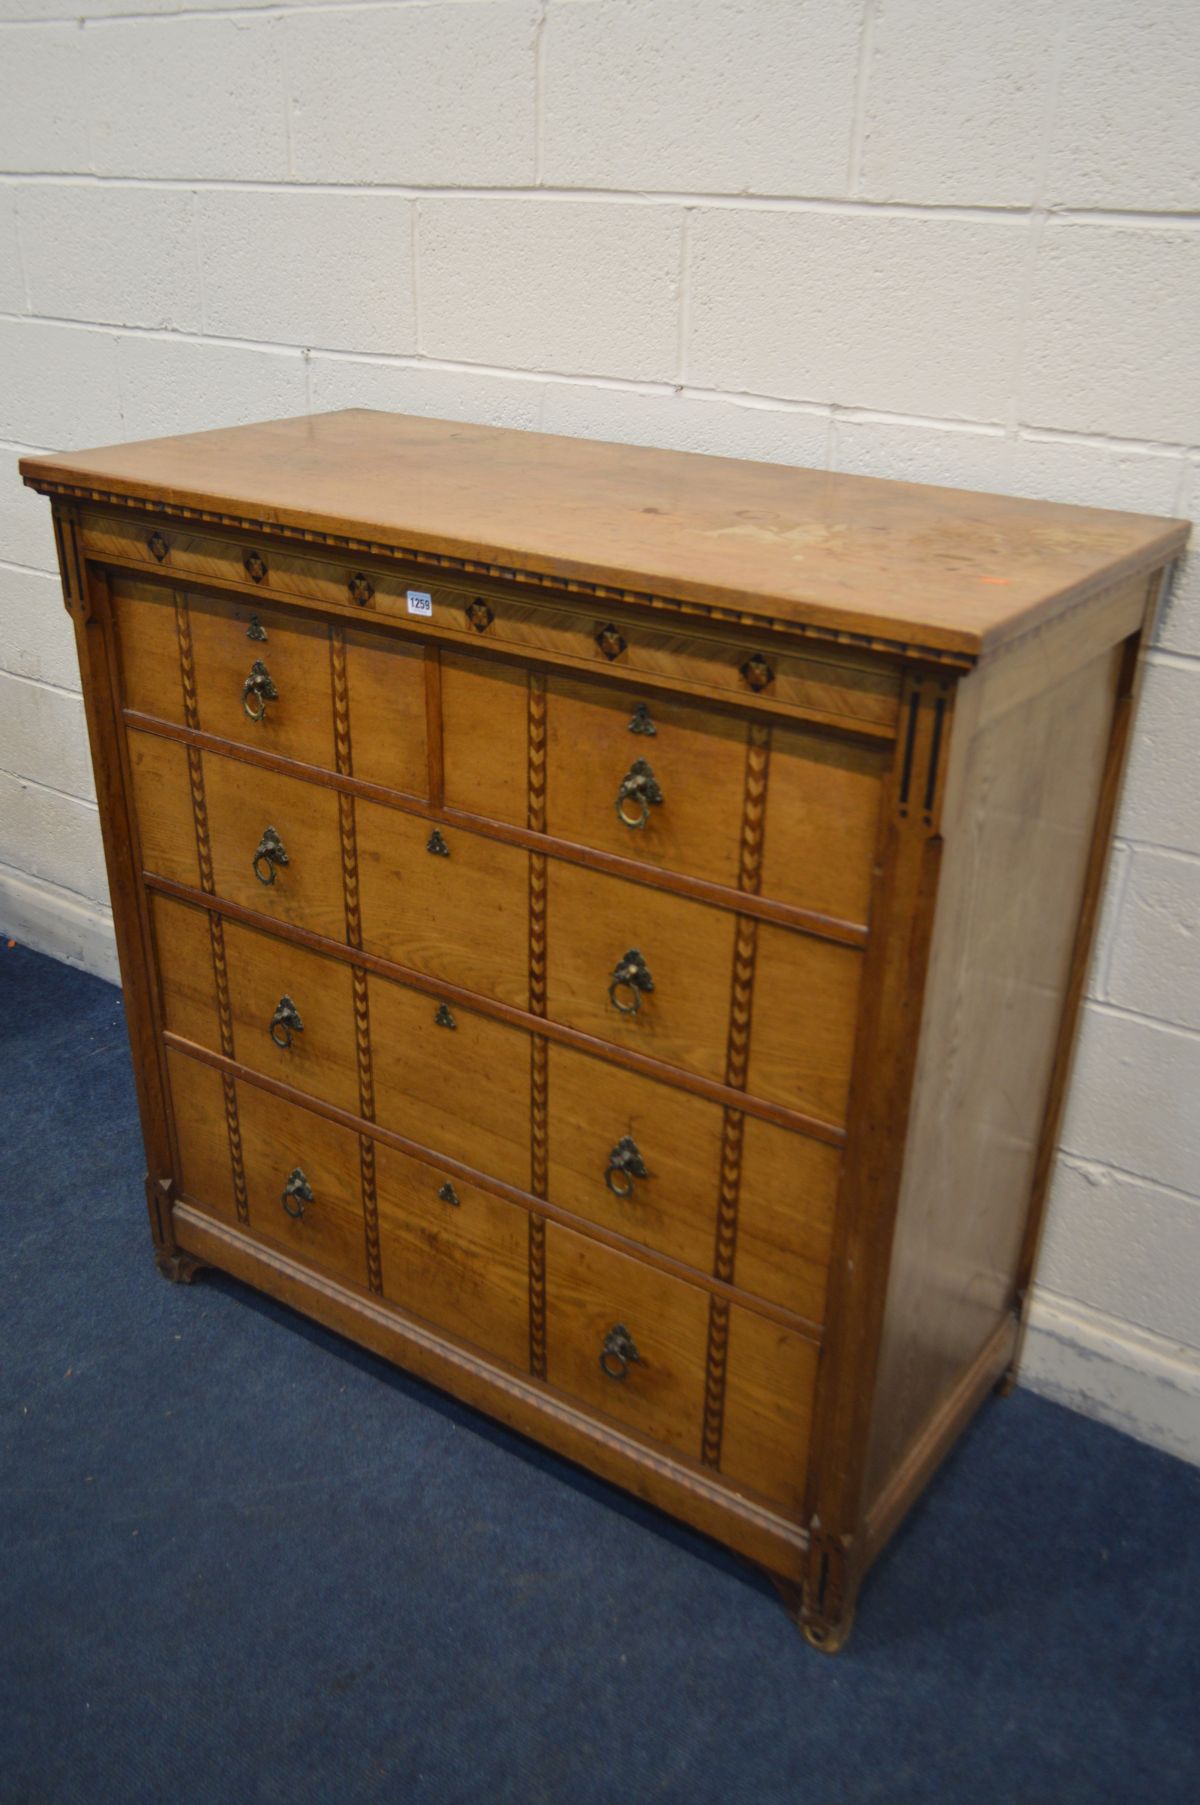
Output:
x=245 y=1562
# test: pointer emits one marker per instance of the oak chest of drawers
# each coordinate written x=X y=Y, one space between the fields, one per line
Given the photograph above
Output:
x=604 y=927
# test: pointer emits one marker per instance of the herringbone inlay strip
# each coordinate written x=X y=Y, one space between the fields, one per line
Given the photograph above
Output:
x=362 y=1044
x=366 y=1156
x=236 y=1163
x=216 y=935
x=348 y=837
x=714 y=1380
x=538 y=1099
x=216 y=926
x=187 y=662
x=737 y=1055
x=366 y=1146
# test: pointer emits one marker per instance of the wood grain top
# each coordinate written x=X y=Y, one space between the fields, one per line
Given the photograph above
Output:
x=902 y=562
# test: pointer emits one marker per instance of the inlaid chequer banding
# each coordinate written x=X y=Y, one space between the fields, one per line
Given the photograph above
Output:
x=386 y=553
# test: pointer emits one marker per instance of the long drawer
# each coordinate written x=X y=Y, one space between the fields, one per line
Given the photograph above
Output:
x=626 y=1340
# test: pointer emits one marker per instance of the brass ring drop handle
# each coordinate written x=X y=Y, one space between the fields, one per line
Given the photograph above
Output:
x=625 y=1163
x=630 y=978
x=638 y=794
x=285 y=1022
x=270 y=854
x=618 y=1353
x=258 y=690
x=295 y=1194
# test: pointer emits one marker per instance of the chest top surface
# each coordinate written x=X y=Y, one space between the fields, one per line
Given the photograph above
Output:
x=902 y=562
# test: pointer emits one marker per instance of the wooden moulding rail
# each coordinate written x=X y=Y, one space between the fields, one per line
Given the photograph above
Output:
x=803 y=921
x=151 y=511
x=525 y=1405
x=647 y=1256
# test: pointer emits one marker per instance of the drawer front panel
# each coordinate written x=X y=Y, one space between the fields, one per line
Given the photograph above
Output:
x=327 y=1231
x=245 y=806
x=770 y=1378
x=485 y=737
x=389 y=745
x=198 y=1105
x=787 y=1192
x=631 y=1343
x=452 y=1080
x=646 y=777
x=162 y=805
x=831 y=686
x=454 y=1255
x=590 y=1292
x=595 y=922
x=787 y=1202
x=147 y=642
x=309 y=1044
x=460 y=914
x=254 y=564
x=593 y=1107
x=278 y=1138
x=236 y=644
x=822 y=822
x=263 y=678
x=803 y=1025
x=183 y=953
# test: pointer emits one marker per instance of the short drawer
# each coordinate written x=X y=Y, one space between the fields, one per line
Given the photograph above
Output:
x=645 y=1160
x=303 y=1189
x=654 y=972
x=528 y=618
x=263 y=677
x=273 y=842
x=631 y=1343
x=454 y=1255
x=252 y=563
x=641 y=968
x=647 y=777
x=452 y=1079
x=291 y=1010
x=666 y=782
x=276 y=845
x=257 y=676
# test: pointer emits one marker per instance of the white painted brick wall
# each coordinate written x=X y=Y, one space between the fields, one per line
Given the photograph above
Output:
x=915 y=238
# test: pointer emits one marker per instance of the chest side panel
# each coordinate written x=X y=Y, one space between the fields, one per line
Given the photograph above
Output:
x=1020 y=829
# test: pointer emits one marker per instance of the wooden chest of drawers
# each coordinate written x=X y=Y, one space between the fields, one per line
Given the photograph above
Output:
x=604 y=927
